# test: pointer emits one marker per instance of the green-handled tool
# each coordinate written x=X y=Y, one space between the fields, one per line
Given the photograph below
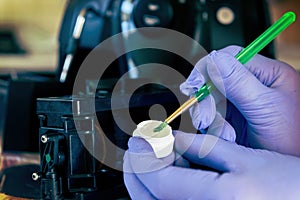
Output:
x=243 y=57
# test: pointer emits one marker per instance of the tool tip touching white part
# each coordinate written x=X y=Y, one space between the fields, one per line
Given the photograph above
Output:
x=161 y=142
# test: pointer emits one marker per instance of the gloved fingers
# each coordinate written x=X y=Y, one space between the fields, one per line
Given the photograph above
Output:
x=272 y=73
x=181 y=161
x=199 y=76
x=180 y=183
x=140 y=158
x=235 y=81
x=159 y=182
x=135 y=188
x=221 y=128
x=196 y=79
x=167 y=183
x=203 y=113
x=232 y=50
x=212 y=151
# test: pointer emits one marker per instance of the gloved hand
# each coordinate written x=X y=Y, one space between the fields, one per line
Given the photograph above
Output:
x=245 y=173
x=264 y=97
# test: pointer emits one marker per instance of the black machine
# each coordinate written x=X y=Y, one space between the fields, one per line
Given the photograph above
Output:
x=68 y=169
x=213 y=23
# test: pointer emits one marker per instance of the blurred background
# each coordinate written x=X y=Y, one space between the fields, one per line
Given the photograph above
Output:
x=29 y=31
x=288 y=43
x=28 y=34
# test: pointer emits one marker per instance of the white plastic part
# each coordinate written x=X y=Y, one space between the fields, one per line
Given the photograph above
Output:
x=161 y=142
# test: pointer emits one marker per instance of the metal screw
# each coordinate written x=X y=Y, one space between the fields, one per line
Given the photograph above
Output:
x=35 y=176
x=44 y=139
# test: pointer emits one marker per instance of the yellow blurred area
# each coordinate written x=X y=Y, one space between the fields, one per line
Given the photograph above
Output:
x=43 y=14
x=7 y=197
x=36 y=25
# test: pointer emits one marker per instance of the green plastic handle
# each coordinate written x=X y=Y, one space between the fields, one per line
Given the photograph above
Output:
x=266 y=37
x=253 y=48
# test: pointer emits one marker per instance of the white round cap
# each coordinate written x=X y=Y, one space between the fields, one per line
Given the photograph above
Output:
x=161 y=142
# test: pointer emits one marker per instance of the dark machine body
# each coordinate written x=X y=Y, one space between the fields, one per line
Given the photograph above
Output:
x=68 y=170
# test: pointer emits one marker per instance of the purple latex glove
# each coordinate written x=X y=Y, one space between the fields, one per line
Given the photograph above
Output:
x=205 y=114
x=245 y=173
x=264 y=97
